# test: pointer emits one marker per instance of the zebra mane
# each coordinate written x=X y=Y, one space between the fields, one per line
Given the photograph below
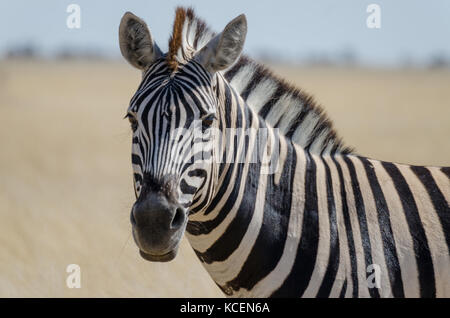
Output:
x=189 y=35
x=281 y=105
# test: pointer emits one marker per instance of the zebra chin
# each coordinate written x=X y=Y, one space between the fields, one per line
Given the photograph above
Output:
x=159 y=258
x=163 y=251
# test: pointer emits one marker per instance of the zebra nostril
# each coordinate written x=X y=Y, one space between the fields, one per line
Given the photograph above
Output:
x=132 y=219
x=178 y=219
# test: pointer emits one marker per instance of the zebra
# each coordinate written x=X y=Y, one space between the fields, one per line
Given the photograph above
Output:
x=326 y=222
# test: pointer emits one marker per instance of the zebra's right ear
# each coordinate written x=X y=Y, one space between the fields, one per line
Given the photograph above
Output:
x=136 y=43
x=224 y=49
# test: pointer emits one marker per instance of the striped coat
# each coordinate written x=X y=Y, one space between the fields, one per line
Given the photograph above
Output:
x=325 y=223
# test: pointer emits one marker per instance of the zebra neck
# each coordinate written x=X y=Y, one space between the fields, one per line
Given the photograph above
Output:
x=251 y=205
x=252 y=216
x=244 y=143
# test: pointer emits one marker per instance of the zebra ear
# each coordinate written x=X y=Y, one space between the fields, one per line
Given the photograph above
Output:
x=136 y=43
x=224 y=49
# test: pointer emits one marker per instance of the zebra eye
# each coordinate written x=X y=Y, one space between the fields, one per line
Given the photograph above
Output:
x=133 y=121
x=208 y=121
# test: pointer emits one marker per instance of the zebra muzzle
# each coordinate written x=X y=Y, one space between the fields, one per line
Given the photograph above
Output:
x=158 y=226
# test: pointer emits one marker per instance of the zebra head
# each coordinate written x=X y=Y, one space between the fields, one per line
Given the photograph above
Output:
x=174 y=107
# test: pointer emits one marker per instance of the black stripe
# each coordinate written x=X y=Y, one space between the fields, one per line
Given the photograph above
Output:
x=208 y=226
x=201 y=27
x=194 y=73
x=180 y=102
x=144 y=115
x=228 y=110
x=343 y=289
x=157 y=68
x=198 y=197
x=446 y=171
x=142 y=94
x=186 y=188
x=319 y=128
x=184 y=90
x=298 y=279
x=236 y=67
x=135 y=159
x=361 y=213
x=333 y=259
x=198 y=70
x=421 y=248
x=389 y=249
x=137 y=178
x=275 y=97
x=349 y=231
x=274 y=228
x=439 y=202
x=141 y=145
x=296 y=123
x=240 y=118
x=257 y=77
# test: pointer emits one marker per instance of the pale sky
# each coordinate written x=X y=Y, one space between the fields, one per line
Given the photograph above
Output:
x=293 y=29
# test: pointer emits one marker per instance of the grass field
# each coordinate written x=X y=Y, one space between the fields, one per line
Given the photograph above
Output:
x=65 y=170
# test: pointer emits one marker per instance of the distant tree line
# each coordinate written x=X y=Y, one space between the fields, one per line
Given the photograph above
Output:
x=346 y=57
x=29 y=51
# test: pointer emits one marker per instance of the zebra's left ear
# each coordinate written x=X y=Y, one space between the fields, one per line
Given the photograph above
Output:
x=224 y=49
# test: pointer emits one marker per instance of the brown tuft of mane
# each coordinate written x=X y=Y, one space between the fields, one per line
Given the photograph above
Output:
x=176 y=37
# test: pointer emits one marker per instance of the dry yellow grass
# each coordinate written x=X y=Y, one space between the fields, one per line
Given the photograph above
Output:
x=65 y=171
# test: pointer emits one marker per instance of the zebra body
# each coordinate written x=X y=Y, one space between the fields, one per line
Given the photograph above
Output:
x=336 y=214
x=319 y=225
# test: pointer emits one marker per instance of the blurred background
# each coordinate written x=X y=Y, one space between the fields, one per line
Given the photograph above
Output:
x=65 y=170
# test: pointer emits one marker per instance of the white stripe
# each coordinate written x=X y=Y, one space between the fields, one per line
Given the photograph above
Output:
x=338 y=281
x=354 y=222
x=261 y=94
x=243 y=77
x=433 y=231
x=323 y=250
x=442 y=181
x=344 y=256
x=303 y=133
x=283 y=105
x=318 y=144
x=290 y=115
x=402 y=236
x=373 y=227
x=192 y=32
